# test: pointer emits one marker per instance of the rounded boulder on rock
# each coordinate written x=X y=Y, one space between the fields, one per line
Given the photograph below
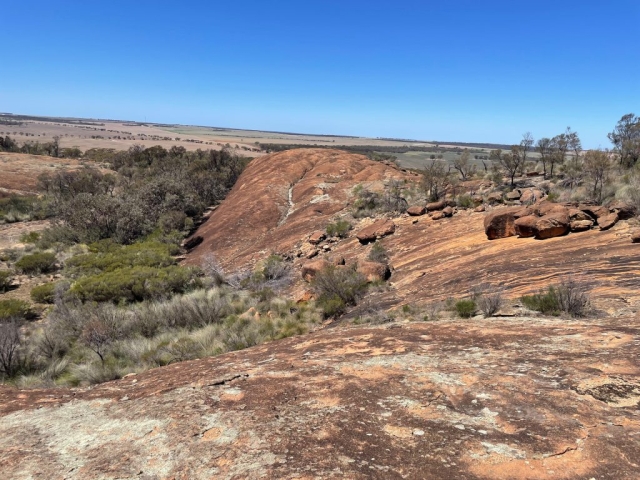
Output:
x=575 y=214
x=433 y=206
x=376 y=230
x=479 y=208
x=447 y=211
x=310 y=269
x=580 y=225
x=513 y=195
x=495 y=197
x=437 y=215
x=500 y=223
x=416 y=210
x=526 y=226
x=595 y=211
x=531 y=195
x=316 y=237
x=374 y=271
x=635 y=237
x=554 y=224
x=605 y=222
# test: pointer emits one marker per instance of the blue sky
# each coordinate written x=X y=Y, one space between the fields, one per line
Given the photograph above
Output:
x=444 y=70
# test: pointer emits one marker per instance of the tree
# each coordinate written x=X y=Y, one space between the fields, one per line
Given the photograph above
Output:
x=523 y=148
x=463 y=165
x=626 y=139
x=510 y=162
x=9 y=348
x=435 y=178
x=597 y=167
x=544 y=147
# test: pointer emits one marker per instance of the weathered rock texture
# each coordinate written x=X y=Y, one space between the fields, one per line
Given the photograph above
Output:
x=378 y=229
x=516 y=398
x=282 y=198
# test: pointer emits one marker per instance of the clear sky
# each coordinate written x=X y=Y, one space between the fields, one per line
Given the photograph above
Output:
x=476 y=71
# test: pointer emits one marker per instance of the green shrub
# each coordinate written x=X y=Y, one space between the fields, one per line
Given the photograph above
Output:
x=107 y=256
x=31 y=237
x=465 y=308
x=544 y=302
x=5 y=280
x=39 y=262
x=13 y=309
x=569 y=297
x=465 y=201
x=339 y=229
x=134 y=284
x=338 y=287
x=43 y=293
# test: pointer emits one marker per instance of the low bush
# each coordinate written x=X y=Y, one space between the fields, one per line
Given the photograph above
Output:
x=465 y=308
x=488 y=299
x=36 y=263
x=31 y=237
x=44 y=293
x=337 y=287
x=465 y=201
x=134 y=284
x=13 y=309
x=378 y=253
x=5 y=280
x=339 y=229
x=543 y=302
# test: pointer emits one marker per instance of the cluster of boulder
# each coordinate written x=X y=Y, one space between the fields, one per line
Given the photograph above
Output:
x=436 y=210
x=545 y=219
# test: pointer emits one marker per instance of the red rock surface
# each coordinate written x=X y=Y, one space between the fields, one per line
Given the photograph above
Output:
x=377 y=229
x=482 y=399
x=283 y=197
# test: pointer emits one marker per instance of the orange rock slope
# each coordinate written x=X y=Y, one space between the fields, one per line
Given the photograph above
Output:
x=519 y=398
x=431 y=259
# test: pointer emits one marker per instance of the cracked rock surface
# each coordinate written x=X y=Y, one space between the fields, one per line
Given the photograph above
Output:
x=477 y=399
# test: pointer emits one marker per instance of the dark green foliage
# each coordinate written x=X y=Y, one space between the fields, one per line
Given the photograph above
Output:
x=22 y=208
x=43 y=293
x=157 y=188
x=31 y=237
x=339 y=229
x=337 y=287
x=465 y=308
x=5 y=280
x=544 y=302
x=465 y=201
x=131 y=284
x=108 y=256
x=13 y=309
x=35 y=263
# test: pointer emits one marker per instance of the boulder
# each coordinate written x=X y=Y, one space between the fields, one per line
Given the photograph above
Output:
x=595 y=211
x=437 y=215
x=576 y=214
x=635 y=237
x=607 y=221
x=316 y=237
x=554 y=224
x=376 y=230
x=193 y=242
x=416 y=210
x=374 y=271
x=479 y=208
x=310 y=269
x=580 y=225
x=433 y=206
x=545 y=207
x=513 y=195
x=501 y=223
x=495 y=197
x=477 y=199
x=526 y=226
x=624 y=210
x=447 y=211
x=531 y=195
